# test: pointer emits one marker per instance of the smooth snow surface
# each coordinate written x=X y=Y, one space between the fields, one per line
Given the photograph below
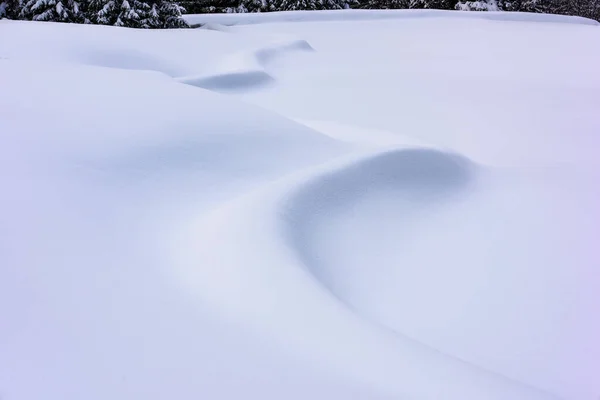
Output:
x=355 y=205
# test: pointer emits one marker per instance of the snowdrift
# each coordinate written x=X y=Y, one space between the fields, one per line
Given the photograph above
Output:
x=301 y=210
x=311 y=322
x=246 y=70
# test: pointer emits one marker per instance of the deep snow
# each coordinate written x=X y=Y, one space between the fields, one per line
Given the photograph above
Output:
x=361 y=205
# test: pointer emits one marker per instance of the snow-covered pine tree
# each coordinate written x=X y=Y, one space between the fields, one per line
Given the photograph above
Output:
x=434 y=4
x=169 y=15
x=292 y=5
x=137 y=14
x=131 y=14
x=151 y=18
x=99 y=11
x=583 y=8
x=419 y=4
x=386 y=4
x=52 y=10
x=337 y=4
x=409 y=4
x=539 y=6
x=209 y=6
x=481 y=5
x=595 y=10
x=126 y=13
x=9 y=9
x=245 y=6
x=521 y=5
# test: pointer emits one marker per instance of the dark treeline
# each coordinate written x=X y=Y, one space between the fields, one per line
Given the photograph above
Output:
x=127 y=13
x=167 y=13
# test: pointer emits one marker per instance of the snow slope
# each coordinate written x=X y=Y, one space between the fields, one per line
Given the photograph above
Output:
x=413 y=218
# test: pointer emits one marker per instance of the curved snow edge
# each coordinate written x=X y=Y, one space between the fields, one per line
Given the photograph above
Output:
x=246 y=70
x=242 y=261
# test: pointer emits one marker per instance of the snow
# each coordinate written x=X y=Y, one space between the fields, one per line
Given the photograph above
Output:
x=246 y=70
x=370 y=15
x=301 y=210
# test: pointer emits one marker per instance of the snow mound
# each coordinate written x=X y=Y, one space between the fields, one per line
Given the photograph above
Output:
x=168 y=135
x=215 y=27
x=418 y=176
x=219 y=266
x=362 y=15
x=401 y=250
x=246 y=70
x=126 y=58
x=175 y=52
x=89 y=45
x=411 y=272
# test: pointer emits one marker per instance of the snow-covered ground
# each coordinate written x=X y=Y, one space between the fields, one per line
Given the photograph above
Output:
x=343 y=205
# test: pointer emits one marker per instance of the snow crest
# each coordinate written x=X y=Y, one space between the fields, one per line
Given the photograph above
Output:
x=248 y=69
x=299 y=312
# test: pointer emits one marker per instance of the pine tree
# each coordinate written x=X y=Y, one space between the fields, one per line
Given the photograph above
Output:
x=245 y=6
x=125 y=13
x=210 y=6
x=386 y=4
x=481 y=5
x=438 y=4
x=291 y=5
x=337 y=4
x=52 y=10
x=409 y=4
x=131 y=13
x=99 y=11
x=9 y=9
x=523 y=5
x=151 y=18
x=137 y=14
x=169 y=15
x=584 y=8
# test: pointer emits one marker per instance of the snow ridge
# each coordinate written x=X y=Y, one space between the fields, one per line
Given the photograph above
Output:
x=246 y=70
x=299 y=312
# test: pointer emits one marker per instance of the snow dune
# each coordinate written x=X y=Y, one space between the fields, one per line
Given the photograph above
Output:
x=405 y=219
x=175 y=53
x=246 y=70
x=311 y=322
x=90 y=202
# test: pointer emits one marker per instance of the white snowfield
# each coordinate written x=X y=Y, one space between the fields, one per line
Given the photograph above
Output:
x=355 y=205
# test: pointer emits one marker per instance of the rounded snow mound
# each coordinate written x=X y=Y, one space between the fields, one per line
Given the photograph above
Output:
x=427 y=244
x=101 y=46
x=250 y=260
x=413 y=176
x=215 y=27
